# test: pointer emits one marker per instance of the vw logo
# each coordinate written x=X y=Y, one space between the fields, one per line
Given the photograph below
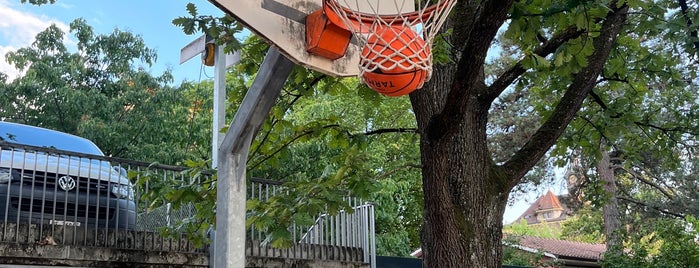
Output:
x=67 y=183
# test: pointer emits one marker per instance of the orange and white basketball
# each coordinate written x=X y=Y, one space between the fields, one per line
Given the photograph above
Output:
x=397 y=54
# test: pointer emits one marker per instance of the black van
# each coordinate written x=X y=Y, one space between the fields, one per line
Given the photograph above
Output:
x=51 y=177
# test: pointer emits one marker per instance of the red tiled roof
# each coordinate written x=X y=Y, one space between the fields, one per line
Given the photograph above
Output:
x=549 y=201
x=562 y=248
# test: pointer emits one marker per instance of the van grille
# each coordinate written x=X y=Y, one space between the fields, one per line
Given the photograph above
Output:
x=44 y=180
x=60 y=208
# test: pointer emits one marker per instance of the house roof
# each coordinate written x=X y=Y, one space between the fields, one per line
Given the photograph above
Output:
x=560 y=249
x=547 y=202
x=565 y=249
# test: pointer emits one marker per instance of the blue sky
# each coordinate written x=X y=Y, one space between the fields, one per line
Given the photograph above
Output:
x=152 y=19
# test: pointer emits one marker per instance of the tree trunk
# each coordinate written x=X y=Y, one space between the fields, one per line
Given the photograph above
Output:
x=463 y=205
x=465 y=191
x=610 y=211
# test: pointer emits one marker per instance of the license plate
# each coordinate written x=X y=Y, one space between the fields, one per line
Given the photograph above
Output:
x=65 y=223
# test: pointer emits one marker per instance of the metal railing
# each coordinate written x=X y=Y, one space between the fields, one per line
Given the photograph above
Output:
x=50 y=196
x=346 y=230
x=347 y=236
x=57 y=197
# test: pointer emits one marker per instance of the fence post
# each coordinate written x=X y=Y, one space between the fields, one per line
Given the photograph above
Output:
x=372 y=240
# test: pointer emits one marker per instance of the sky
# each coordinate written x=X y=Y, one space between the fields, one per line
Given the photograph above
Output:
x=151 y=19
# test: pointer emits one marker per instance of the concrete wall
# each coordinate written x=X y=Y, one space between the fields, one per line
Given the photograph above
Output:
x=306 y=251
x=91 y=237
x=32 y=254
x=260 y=262
x=41 y=244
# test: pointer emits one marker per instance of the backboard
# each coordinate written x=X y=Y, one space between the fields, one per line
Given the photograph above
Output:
x=282 y=23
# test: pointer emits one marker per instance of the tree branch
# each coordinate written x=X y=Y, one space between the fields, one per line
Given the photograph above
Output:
x=596 y=127
x=597 y=99
x=473 y=47
x=550 y=46
x=295 y=98
x=572 y=100
x=309 y=132
x=286 y=144
x=687 y=18
x=665 y=129
x=60 y=115
x=638 y=176
x=683 y=129
x=390 y=130
x=407 y=165
x=640 y=203
x=271 y=128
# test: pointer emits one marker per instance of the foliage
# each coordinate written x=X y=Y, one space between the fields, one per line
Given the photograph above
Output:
x=585 y=226
x=511 y=123
x=665 y=243
x=544 y=229
x=192 y=189
x=38 y=2
x=380 y=167
x=641 y=112
x=222 y=30
x=323 y=151
x=99 y=92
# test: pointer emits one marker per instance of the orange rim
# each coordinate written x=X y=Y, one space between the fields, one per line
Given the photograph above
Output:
x=361 y=21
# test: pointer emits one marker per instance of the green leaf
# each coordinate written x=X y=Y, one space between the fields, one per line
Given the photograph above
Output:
x=180 y=21
x=192 y=9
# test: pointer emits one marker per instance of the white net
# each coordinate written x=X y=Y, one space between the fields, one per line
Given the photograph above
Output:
x=393 y=40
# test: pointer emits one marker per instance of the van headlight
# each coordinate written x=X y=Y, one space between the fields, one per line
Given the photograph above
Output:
x=123 y=191
x=5 y=175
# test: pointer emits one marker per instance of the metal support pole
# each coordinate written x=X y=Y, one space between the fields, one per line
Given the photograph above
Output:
x=229 y=245
x=219 y=114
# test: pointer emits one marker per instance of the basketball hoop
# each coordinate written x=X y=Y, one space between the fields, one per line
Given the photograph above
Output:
x=393 y=42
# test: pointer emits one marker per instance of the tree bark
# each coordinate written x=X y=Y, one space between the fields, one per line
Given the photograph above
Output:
x=610 y=211
x=463 y=205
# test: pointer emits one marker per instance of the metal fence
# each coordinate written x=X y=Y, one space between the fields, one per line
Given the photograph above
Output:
x=51 y=196
x=347 y=236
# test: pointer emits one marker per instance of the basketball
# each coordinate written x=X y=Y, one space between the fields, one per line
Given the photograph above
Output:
x=395 y=54
x=394 y=84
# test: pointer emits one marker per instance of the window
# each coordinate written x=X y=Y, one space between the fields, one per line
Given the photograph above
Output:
x=547 y=215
